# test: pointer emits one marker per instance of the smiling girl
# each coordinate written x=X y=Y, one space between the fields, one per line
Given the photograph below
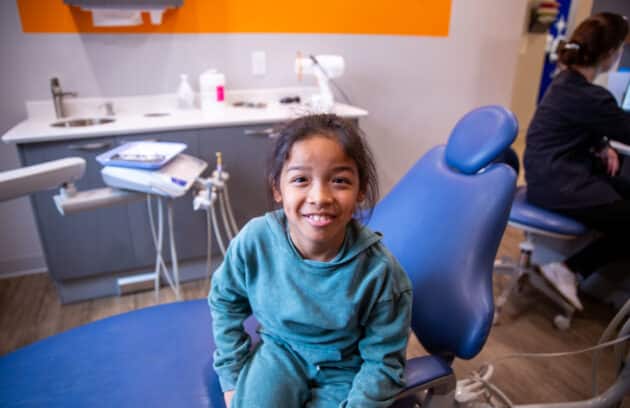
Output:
x=333 y=304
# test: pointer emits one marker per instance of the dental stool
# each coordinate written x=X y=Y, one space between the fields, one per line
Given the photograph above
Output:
x=443 y=221
x=549 y=237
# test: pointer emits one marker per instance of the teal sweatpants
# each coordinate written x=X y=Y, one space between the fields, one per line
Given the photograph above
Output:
x=277 y=376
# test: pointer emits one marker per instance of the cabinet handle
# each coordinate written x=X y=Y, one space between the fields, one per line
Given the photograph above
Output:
x=90 y=147
x=269 y=132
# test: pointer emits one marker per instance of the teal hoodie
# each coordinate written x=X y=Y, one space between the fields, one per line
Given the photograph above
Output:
x=358 y=303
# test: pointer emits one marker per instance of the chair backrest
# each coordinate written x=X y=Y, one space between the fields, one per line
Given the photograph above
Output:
x=444 y=221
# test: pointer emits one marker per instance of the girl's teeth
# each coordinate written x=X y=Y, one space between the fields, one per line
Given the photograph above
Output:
x=319 y=218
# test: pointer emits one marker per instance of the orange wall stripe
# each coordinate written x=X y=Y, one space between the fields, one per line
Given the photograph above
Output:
x=396 y=17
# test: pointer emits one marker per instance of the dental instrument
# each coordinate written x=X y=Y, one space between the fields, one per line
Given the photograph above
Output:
x=175 y=175
x=172 y=180
x=209 y=190
x=178 y=173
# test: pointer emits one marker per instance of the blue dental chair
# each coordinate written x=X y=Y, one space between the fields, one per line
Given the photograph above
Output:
x=443 y=221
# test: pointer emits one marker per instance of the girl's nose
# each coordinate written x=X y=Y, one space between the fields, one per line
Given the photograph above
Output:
x=319 y=194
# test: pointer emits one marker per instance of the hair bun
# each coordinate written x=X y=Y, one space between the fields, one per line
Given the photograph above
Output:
x=593 y=40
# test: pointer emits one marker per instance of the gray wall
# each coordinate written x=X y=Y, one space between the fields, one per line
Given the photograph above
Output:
x=415 y=88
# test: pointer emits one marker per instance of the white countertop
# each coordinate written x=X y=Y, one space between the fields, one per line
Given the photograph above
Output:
x=130 y=115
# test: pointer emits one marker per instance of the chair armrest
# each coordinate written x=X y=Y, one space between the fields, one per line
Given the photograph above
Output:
x=251 y=326
x=426 y=369
x=423 y=373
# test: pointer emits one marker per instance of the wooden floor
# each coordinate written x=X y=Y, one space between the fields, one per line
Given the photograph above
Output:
x=31 y=311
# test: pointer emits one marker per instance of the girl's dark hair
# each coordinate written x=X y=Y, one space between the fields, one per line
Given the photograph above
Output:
x=593 y=39
x=340 y=130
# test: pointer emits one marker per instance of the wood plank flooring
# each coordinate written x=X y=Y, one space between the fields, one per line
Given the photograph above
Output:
x=30 y=310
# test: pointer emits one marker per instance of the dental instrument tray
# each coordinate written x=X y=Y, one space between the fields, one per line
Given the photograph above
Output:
x=172 y=180
x=141 y=155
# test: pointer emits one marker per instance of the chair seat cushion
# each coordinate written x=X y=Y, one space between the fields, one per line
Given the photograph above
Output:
x=421 y=370
x=529 y=215
x=160 y=356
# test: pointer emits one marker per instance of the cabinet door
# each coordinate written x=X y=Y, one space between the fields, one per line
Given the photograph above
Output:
x=86 y=243
x=245 y=151
x=189 y=225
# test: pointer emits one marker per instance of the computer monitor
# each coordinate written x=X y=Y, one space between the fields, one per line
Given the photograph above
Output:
x=625 y=101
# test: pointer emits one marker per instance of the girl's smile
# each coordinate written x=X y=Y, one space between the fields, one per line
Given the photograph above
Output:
x=319 y=220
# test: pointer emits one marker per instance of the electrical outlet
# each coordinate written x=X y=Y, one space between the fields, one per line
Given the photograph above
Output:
x=259 y=63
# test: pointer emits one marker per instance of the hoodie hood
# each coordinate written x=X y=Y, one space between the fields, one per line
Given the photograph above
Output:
x=358 y=238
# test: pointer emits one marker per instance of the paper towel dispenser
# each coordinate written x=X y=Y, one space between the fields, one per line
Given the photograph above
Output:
x=124 y=12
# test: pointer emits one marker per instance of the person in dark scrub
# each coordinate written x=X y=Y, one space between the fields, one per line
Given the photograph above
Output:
x=569 y=166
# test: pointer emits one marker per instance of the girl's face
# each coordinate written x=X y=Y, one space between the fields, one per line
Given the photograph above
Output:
x=319 y=191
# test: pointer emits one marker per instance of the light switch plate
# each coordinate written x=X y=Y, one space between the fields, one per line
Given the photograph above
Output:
x=259 y=63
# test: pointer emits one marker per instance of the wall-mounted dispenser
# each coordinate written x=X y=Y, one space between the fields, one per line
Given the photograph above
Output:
x=114 y=13
x=542 y=14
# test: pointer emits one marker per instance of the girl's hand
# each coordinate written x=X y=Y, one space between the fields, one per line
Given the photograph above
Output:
x=227 y=396
x=611 y=160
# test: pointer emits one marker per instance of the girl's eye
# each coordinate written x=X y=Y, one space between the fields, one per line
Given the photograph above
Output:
x=298 y=180
x=341 y=180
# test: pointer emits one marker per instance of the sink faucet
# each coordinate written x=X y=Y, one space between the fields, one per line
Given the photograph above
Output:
x=58 y=94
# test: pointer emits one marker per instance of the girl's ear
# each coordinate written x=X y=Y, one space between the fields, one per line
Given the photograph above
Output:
x=276 y=194
x=360 y=197
x=277 y=197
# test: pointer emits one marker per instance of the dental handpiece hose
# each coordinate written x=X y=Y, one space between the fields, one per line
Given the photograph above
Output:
x=219 y=165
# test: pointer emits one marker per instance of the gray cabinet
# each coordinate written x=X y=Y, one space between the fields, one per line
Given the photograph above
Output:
x=246 y=162
x=86 y=252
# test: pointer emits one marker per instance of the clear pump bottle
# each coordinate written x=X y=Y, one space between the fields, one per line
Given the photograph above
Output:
x=185 y=94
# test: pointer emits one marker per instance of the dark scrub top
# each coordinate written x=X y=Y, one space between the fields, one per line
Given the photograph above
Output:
x=570 y=123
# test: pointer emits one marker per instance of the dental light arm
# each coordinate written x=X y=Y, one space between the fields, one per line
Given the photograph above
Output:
x=323 y=68
x=44 y=176
x=70 y=201
x=61 y=173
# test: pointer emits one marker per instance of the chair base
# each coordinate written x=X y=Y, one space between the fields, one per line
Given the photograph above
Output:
x=522 y=273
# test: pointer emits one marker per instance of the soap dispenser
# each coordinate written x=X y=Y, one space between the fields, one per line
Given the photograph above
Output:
x=185 y=94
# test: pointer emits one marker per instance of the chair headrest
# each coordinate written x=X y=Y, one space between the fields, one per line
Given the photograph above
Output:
x=479 y=137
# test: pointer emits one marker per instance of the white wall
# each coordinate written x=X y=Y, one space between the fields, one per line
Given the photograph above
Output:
x=415 y=88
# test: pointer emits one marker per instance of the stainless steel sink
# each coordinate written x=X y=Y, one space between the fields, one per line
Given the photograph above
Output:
x=82 y=122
